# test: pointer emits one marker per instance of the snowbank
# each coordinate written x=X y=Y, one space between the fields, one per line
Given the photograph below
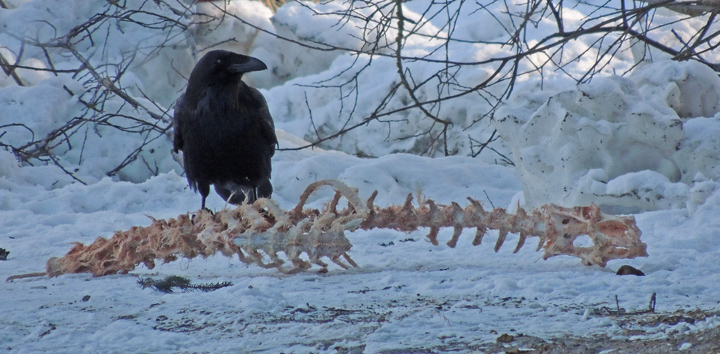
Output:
x=626 y=144
x=312 y=94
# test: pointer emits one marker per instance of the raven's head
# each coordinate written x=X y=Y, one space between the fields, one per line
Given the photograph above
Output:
x=221 y=66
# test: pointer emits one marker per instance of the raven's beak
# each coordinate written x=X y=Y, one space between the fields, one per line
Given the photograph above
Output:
x=252 y=64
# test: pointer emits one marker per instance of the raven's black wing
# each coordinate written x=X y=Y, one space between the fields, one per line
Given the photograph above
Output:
x=267 y=125
x=182 y=135
x=178 y=117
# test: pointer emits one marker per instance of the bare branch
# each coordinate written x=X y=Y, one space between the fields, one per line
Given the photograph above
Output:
x=10 y=70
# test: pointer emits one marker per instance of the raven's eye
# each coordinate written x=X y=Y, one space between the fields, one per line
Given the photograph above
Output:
x=219 y=61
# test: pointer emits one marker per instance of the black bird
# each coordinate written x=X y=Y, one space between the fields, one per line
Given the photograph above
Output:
x=224 y=128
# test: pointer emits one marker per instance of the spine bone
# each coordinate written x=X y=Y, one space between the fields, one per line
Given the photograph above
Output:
x=258 y=232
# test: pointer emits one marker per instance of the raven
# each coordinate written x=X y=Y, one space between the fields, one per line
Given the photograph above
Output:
x=224 y=128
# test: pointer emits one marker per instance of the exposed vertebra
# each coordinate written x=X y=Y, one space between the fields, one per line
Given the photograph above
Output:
x=260 y=231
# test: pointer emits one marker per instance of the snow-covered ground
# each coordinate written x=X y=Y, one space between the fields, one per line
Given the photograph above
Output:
x=643 y=144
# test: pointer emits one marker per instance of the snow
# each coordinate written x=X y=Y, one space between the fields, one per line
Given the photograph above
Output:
x=643 y=144
x=626 y=144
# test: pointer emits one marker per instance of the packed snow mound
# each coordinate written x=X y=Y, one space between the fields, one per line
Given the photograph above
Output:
x=626 y=144
x=152 y=58
x=284 y=54
x=91 y=146
x=341 y=89
x=238 y=26
x=148 y=49
x=317 y=106
x=147 y=55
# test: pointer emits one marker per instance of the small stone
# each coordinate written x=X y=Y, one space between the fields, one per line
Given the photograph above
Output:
x=627 y=270
x=505 y=338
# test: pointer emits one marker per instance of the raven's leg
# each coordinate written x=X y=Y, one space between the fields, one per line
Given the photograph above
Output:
x=204 y=190
x=253 y=195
